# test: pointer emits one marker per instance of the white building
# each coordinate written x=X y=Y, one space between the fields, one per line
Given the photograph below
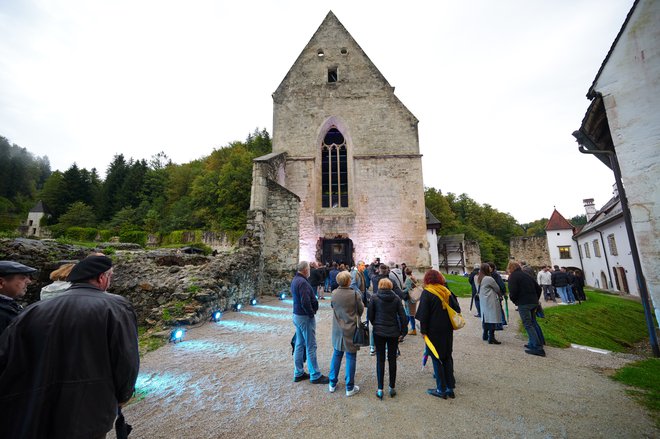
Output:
x=605 y=250
x=563 y=250
x=622 y=125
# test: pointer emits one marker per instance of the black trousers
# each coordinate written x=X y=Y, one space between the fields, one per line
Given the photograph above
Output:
x=392 y=344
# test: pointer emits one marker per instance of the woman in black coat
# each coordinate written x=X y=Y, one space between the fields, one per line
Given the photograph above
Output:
x=389 y=322
x=434 y=323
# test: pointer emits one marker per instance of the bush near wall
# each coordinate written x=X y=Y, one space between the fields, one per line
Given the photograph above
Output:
x=81 y=233
x=105 y=235
x=134 y=236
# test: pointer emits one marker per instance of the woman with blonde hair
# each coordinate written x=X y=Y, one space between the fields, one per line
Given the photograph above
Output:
x=59 y=285
x=388 y=322
x=347 y=307
x=434 y=324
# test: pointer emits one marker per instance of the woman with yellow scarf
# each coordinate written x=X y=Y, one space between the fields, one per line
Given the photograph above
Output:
x=438 y=332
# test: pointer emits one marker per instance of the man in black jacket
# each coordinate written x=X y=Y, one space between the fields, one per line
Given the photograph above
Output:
x=525 y=293
x=14 y=280
x=68 y=363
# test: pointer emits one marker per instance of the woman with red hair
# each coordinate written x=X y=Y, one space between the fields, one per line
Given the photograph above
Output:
x=435 y=325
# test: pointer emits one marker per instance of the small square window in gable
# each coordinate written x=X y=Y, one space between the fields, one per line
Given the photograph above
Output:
x=332 y=74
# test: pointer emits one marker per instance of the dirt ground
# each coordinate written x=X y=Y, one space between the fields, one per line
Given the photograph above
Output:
x=233 y=379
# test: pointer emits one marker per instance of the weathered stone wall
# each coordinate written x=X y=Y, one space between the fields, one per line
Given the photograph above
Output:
x=215 y=240
x=385 y=217
x=532 y=249
x=472 y=254
x=164 y=287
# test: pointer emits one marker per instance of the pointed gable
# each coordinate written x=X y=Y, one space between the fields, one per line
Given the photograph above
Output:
x=558 y=222
x=333 y=78
x=332 y=46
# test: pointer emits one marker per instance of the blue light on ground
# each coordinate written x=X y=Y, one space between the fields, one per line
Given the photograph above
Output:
x=166 y=384
x=234 y=325
x=266 y=315
x=273 y=308
x=211 y=347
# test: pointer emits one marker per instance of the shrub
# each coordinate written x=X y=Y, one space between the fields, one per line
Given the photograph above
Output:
x=81 y=233
x=105 y=235
x=134 y=236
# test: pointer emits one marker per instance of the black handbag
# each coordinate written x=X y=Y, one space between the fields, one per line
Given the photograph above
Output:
x=361 y=336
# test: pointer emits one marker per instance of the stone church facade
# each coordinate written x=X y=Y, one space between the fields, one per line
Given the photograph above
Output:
x=345 y=162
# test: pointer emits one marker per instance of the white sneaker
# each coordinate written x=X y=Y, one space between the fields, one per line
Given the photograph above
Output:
x=355 y=390
x=332 y=388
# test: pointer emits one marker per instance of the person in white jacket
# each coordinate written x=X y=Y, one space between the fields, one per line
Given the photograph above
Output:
x=59 y=284
x=544 y=278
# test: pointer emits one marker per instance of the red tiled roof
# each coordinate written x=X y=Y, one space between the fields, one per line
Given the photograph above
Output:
x=558 y=222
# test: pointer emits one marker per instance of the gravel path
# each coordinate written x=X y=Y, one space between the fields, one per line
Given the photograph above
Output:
x=233 y=379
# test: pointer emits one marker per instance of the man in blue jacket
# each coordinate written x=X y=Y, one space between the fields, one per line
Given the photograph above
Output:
x=305 y=306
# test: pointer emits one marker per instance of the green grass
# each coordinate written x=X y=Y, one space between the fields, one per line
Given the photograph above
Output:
x=643 y=375
x=459 y=285
x=147 y=342
x=603 y=321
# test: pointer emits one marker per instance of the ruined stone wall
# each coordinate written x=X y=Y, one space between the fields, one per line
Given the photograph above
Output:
x=472 y=254
x=532 y=249
x=163 y=286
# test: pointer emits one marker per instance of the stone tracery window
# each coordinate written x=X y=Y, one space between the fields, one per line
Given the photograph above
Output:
x=334 y=170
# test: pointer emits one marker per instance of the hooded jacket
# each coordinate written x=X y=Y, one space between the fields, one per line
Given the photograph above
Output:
x=386 y=314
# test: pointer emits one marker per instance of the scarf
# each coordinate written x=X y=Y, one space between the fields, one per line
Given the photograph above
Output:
x=440 y=291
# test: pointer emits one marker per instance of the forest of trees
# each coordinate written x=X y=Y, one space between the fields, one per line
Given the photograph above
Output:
x=213 y=193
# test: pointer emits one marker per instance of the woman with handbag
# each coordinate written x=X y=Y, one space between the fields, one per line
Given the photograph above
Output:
x=435 y=325
x=347 y=309
x=388 y=322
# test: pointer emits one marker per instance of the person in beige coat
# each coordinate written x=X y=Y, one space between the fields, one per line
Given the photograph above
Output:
x=347 y=307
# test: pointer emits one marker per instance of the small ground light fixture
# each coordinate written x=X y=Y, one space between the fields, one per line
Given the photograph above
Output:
x=282 y=295
x=216 y=315
x=236 y=307
x=177 y=335
x=253 y=301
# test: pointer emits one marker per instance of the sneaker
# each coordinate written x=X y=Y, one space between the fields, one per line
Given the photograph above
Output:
x=412 y=332
x=392 y=392
x=450 y=393
x=355 y=390
x=321 y=380
x=332 y=388
x=303 y=377
x=372 y=352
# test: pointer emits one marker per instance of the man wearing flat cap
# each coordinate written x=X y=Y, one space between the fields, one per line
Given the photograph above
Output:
x=68 y=363
x=14 y=280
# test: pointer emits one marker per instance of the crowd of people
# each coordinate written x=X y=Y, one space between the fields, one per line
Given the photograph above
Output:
x=395 y=301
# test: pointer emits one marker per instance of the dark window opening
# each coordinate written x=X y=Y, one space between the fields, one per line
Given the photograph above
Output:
x=332 y=74
x=334 y=170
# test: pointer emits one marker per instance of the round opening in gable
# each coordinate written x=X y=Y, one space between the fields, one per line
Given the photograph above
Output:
x=344 y=51
x=320 y=53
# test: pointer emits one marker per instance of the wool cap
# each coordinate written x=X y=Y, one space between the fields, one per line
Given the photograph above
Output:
x=11 y=267
x=89 y=268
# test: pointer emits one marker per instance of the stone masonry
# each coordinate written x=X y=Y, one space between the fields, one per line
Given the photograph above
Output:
x=385 y=216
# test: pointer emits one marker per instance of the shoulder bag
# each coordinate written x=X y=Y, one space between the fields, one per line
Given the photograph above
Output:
x=361 y=335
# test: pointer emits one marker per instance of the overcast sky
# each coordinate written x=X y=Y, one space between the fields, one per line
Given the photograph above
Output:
x=497 y=85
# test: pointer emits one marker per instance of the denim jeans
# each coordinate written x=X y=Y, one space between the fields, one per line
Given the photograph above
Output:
x=562 y=293
x=335 y=365
x=444 y=372
x=528 y=318
x=305 y=341
x=569 y=294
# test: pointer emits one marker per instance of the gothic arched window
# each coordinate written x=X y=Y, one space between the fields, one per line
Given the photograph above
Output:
x=334 y=170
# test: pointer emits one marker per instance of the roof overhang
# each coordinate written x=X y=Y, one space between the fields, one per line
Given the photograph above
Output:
x=594 y=133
